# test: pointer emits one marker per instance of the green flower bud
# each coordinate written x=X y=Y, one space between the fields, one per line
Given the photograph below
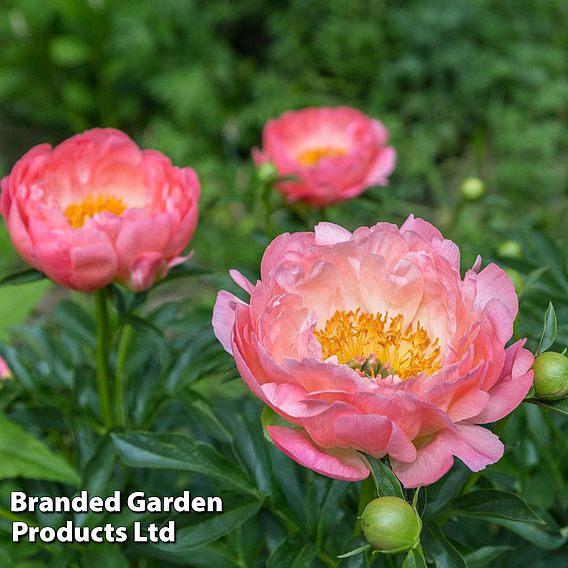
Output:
x=391 y=525
x=510 y=249
x=267 y=172
x=551 y=376
x=516 y=279
x=472 y=188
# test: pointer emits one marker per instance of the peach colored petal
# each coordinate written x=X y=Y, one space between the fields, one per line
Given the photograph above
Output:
x=336 y=463
x=146 y=210
x=420 y=422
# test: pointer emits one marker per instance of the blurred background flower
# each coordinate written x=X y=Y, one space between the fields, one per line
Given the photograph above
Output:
x=331 y=154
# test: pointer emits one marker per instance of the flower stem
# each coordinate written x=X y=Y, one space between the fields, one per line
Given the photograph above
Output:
x=102 y=327
x=123 y=346
x=367 y=494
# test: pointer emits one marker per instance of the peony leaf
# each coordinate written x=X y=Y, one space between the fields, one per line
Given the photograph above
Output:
x=270 y=418
x=182 y=271
x=414 y=559
x=558 y=406
x=178 y=452
x=292 y=552
x=485 y=555
x=385 y=480
x=22 y=277
x=440 y=550
x=547 y=537
x=23 y=455
x=106 y=555
x=206 y=531
x=492 y=504
x=15 y=312
x=549 y=330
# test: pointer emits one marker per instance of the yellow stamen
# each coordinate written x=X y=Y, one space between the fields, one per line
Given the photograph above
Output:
x=78 y=213
x=312 y=156
x=354 y=336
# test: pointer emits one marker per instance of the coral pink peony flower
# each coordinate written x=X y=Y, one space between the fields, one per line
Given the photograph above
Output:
x=5 y=372
x=372 y=342
x=336 y=153
x=97 y=209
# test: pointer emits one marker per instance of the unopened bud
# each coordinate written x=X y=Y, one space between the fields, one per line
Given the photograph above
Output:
x=391 y=525
x=267 y=172
x=517 y=280
x=551 y=376
x=472 y=188
x=510 y=249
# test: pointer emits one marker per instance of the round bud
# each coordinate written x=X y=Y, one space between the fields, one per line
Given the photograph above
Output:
x=267 y=172
x=516 y=279
x=510 y=249
x=391 y=525
x=472 y=188
x=551 y=376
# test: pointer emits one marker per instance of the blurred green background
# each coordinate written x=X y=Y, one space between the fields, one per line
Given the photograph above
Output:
x=466 y=88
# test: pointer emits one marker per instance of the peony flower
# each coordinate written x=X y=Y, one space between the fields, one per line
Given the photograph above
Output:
x=5 y=372
x=335 y=153
x=97 y=209
x=372 y=343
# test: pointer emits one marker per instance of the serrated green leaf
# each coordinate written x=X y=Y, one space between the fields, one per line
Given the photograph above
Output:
x=23 y=455
x=178 y=452
x=491 y=504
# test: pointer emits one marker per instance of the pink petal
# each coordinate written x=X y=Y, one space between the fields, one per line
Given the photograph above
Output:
x=241 y=281
x=337 y=463
x=476 y=446
x=493 y=283
x=330 y=234
x=224 y=318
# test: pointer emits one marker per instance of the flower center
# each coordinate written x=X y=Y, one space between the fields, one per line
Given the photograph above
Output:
x=371 y=345
x=78 y=213
x=312 y=156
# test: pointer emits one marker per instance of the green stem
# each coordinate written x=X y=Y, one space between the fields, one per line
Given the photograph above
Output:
x=122 y=355
x=102 y=326
x=327 y=559
x=554 y=430
x=367 y=494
